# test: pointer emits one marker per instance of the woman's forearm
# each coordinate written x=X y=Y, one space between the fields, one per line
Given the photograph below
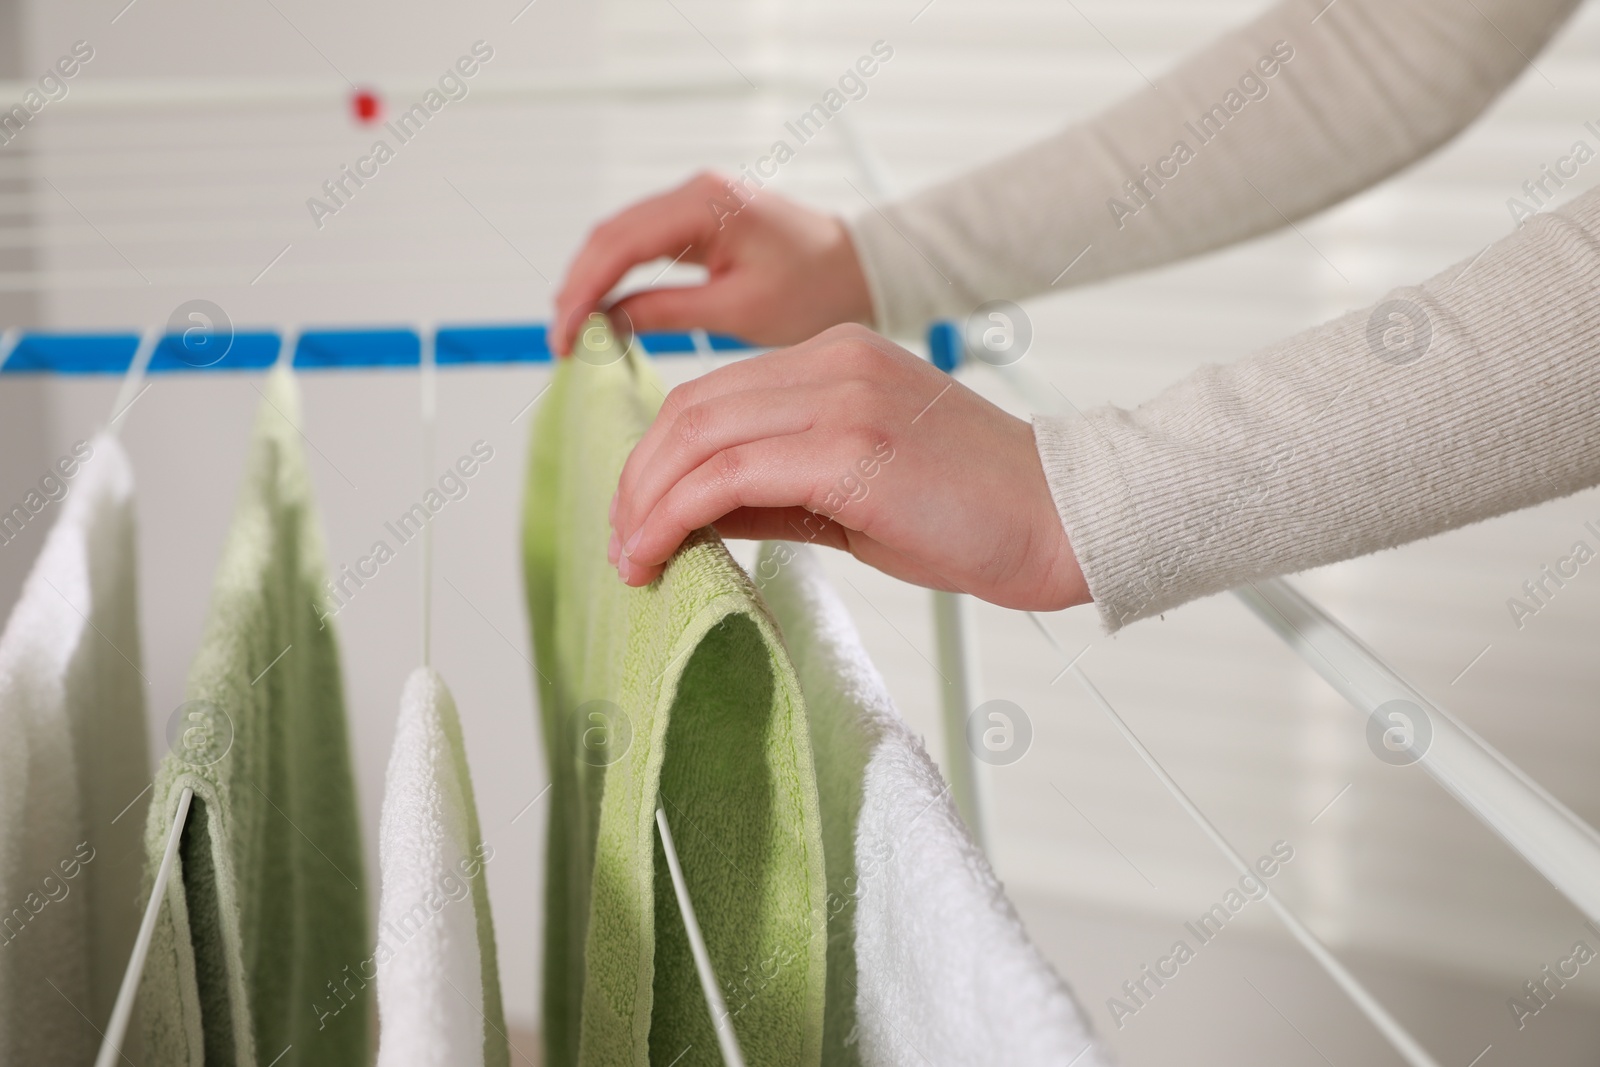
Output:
x=1274 y=121
x=1473 y=394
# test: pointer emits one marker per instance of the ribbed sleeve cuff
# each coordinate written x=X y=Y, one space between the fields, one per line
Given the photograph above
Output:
x=1092 y=497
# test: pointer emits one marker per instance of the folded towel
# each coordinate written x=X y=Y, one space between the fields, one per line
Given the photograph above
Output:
x=438 y=983
x=73 y=769
x=942 y=969
x=678 y=694
x=261 y=952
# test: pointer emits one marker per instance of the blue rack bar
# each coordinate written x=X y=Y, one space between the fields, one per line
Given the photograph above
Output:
x=490 y=344
x=245 y=351
x=111 y=353
x=675 y=344
x=72 y=353
x=946 y=347
x=330 y=349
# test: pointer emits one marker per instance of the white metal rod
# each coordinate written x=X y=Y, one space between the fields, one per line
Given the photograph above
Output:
x=288 y=343
x=111 y=1046
x=428 y=387
x=1386 y=1024
x=1542 y=830
x=697 y=945
x=132 y=379
x=958 y=665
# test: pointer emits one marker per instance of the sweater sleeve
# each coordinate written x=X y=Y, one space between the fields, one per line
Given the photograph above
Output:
x=1311 y=102
x=1473 y=394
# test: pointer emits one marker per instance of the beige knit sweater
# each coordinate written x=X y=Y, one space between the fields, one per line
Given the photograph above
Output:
x=1472 y=394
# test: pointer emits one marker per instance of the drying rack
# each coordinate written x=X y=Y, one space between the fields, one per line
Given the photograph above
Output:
x=134 y=355
x=1551 y=838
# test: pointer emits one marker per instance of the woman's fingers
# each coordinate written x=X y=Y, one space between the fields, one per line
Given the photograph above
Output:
x=713 y=306
x=697 y=433
x=670 y=224
x=780 y=472
x=784 y=369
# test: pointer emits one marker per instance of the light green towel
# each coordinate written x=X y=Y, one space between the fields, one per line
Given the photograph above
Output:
x=262 y=949
x=684 y=687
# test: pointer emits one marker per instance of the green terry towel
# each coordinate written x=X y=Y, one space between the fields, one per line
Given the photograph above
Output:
x=680 y=691
x=261 y=955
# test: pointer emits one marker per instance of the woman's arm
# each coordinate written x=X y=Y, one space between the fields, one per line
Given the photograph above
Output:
x=1308 y=104
x=1473 y=394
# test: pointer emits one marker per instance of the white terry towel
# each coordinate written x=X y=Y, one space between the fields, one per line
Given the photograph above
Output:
x=74 y=764
x=943 y=970
x=438 y=982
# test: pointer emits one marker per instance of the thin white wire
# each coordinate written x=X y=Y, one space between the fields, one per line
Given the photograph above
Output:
x=428 y=383
x=1386 y=1024
x=288 y=341
x=132 y=380
x=10 y=338
x=702 y=347
x=726 y=1038
x=111 y=1044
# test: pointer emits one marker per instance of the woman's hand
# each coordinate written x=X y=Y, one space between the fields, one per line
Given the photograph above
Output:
x=853 y=442
x=779 y=272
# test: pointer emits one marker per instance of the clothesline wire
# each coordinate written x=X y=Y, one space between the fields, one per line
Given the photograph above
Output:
x=428 y=388
x=288 y=341
x=732 y=1055
x=1397 y=1036
x=10 y=337
x=133 y=380
x=122 y=1010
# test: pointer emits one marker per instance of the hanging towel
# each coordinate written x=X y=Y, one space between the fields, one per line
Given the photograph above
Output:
x=438 y=982
x=931 y=961
x=679 y=693
x=261 y=954
x=73 y=769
